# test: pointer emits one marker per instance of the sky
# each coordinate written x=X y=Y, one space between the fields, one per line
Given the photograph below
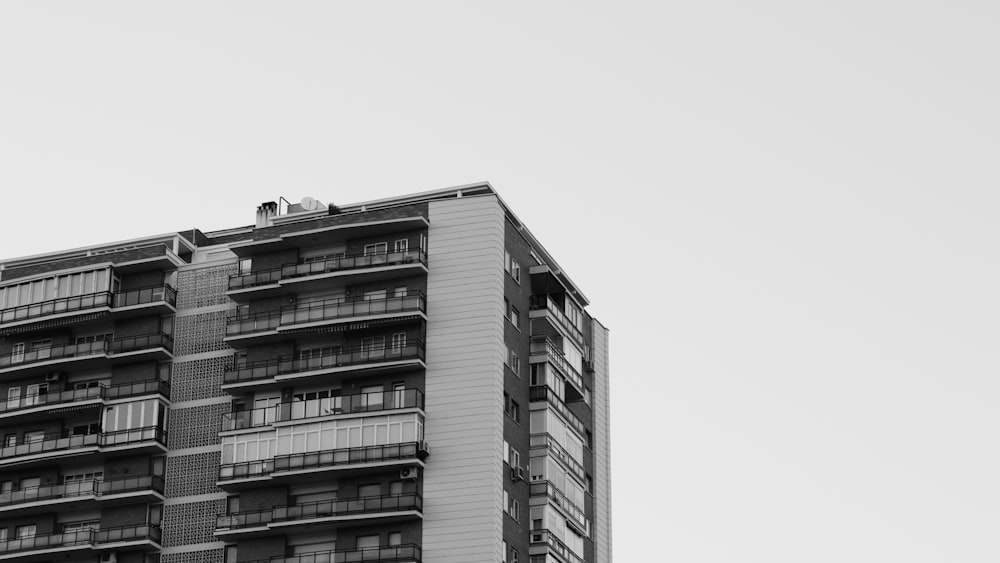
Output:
x=785 y=212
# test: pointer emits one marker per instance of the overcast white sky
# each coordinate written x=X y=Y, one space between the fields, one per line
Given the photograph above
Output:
x=786 y=212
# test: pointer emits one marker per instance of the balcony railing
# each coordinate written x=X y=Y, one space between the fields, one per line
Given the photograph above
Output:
x=117 y=391
x=388 y=554
x=555 y=311
x=351 y=356
x=320 y=509
x=145 y=295
x=105 y=347
x=558 y=452
x=94 y=487
x=302 y=410
x=559 y=498
x=325 y=458
x=82 y=537
x=542 y=345
x=59 y=441
x=555 y=545
x=344 y=263
x=544 y=393
x=327 y=310
x=56 y=306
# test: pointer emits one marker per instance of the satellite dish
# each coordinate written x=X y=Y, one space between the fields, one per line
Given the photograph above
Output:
x=309 y=204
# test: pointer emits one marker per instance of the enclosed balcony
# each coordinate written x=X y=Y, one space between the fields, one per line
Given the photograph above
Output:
x=375 y=360
x=385 y=507
x=73 y=494
x=287 y=466
x=555 y=450
x=318 y=408
x=41 y=402
x=316 y=274
x=323 y=314
x=142 y=537
x=544 y=307
x=544 y=542
x=150 y=439
x=544 y=349
x=152 y=300
x=542 y=393
x=404 y=553
x=155 y=346
x=575 y=515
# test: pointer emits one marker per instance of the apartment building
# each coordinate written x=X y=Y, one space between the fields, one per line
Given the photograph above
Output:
x=407 y=380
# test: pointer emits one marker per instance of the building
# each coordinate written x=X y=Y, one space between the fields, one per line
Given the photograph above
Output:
x=407 y=380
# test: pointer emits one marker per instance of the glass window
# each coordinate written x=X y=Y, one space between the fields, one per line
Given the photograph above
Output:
x=395 y=538
x=25 y=532
x=377 y=248
x=367 y=542
x=401 y=245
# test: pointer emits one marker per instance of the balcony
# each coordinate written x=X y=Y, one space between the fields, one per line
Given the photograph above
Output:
x=316 y=408
x=404 y=553
x=575 y=515
x=545 y=308
x=89 y=538
x=270 y=371
x=551 y=544
x=407 y=452
x=62 y=444
x=322 y=314
x=543 y=347
x=544 y=393
x=158 y=299
x=324 y=510
x=81 y=490
x=90 y=355
x=370 y=267
x=90 y=394
x=559 y=453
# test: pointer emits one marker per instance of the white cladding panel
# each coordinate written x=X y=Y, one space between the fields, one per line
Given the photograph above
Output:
x=602 y=446
x=464 y=383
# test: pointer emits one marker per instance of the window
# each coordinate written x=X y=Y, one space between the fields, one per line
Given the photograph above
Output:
x=398 y=395
x=512 y=267
x=399 y=291
x=515 y=458
x=511 y=506
x=373 y=295
x=35 y=394
x=395 y=538
x=10 y=440
x=17 y=353
x=402 y=245
x=6 y=486
x=34 y=436
x=372 y=346
x=3 y=534
x=371 y=397
x=398 y=341
x=513 y=556
x=515 y=411
x=514 y=362
x=373 y=490
x=13 y=397
x=70 y=527
x=515 y=317
x=395 y=488
x=81 y=477
x=42 y=348
x=230 y=554
x=377 y=248
x=25 y=532
x=366 y=542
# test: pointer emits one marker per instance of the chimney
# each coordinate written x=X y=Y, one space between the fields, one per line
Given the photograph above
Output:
x=265 y=212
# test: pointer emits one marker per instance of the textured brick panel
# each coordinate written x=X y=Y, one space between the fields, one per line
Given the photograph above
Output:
x=208 y=556
x=192 y=475
x=203 y=287
x=195 y=427
x=195 y=334
x=191 y=523
x=198 y=379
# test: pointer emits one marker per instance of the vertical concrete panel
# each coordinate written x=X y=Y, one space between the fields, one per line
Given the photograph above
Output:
x=602 y=446
x=463 y=487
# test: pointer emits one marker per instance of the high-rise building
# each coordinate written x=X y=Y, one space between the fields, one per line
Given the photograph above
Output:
x=407 y=380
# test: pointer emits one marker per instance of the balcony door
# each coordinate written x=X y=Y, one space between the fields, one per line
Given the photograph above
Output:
x=17 y=353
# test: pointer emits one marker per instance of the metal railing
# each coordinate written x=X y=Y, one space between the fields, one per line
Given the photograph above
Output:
x=324 y=458
x=59 y=441
x=543 y=345
x=559 y=498
x=95 y=487
x=145 y=295
x=105 y=347
x=116 y=391
x=388 y=554
x=559 y=453
x=326 y=310
x=83 y=537
x=544 y=393
x=348 y=356
x=312 y=408
x=320 y=509
x=56 y=306
x=245 y=280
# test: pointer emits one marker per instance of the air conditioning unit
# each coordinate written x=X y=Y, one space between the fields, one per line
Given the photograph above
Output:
x=109 y=557
x=53 y=376
x=409 y=473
